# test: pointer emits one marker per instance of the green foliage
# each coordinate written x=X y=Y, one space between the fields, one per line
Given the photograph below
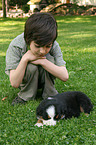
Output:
x=25 y=8
x=52 y=1
x=19 y=3
x=77 y=40
x=75 y=1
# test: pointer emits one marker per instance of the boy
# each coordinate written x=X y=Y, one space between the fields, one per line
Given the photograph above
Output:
x=34 y=59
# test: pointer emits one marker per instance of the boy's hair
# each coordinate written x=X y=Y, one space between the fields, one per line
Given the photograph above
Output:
x=40 y=28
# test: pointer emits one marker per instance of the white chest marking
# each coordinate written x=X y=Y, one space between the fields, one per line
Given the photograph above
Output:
x=51 y=113
x=50 y=98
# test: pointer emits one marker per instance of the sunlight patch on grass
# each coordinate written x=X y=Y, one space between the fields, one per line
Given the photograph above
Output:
x=11 y=23
x=2 y=29
x=77 y=19
x=5 y=40
x=2 y=53
x=81 y=35
x=61 y=20
x=77 y=35
x=92 y=49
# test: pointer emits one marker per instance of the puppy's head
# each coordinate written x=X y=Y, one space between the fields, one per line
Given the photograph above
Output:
x=46 y=109
x=49 y=111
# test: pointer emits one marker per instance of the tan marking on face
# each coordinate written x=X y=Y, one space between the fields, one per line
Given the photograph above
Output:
x=57 y=116
x=41 y=118
x=40 y=121
x=49 y=117
x=62 y=116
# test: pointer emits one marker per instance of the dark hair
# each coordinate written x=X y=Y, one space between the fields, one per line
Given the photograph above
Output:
x=40 y=28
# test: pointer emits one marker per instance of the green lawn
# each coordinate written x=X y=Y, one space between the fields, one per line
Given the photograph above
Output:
x=77 y=39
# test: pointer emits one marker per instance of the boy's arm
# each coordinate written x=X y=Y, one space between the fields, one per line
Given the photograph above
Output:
x=57 y=71
x=17 y=75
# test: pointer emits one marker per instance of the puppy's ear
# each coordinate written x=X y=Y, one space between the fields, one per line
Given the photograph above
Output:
x=45 y=115
x=58 y=112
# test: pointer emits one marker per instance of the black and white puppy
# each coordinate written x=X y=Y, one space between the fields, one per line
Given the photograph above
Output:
x=60 y=106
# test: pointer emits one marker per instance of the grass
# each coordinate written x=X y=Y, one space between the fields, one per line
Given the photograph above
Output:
x=77 y=39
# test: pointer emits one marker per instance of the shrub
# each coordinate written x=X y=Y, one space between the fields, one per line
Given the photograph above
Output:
x=25 y=8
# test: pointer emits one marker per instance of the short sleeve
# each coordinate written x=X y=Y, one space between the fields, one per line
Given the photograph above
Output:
x=57 y=54
x=15 y=51
x=13 y=57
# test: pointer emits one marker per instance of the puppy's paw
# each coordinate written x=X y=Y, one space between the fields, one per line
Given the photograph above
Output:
x=39 y=124
x=49 y=122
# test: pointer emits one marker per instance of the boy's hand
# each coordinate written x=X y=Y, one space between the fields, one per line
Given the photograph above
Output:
x=28 y=56
x=38 y=61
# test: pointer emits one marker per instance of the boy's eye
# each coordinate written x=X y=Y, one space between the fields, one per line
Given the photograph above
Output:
x=47 y=46
x=37 y=46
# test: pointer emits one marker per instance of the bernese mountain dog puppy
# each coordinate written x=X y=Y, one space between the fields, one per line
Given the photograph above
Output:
x=63 y=105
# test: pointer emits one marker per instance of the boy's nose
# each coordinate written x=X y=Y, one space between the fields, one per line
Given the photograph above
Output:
x=42 y=50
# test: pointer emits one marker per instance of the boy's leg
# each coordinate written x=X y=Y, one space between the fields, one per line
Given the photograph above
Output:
x=29 y=85
x=48 y=79
x=49 y=88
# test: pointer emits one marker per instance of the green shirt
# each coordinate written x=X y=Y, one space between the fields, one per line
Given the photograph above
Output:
x=18 y=48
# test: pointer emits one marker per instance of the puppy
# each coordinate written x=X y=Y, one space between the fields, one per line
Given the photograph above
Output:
x=63 y=105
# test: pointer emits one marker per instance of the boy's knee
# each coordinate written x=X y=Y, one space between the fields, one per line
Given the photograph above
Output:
x=31 y=70
x=31 y=73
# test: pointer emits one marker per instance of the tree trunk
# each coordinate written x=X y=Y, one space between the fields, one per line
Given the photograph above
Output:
x=4 y=8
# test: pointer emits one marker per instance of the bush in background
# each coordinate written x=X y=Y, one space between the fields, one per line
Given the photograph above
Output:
x=25 y=8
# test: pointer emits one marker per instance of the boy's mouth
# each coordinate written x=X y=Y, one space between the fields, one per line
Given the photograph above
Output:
x=40 y=55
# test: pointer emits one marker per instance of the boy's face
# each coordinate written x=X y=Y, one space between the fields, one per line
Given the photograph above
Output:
x=39 y=51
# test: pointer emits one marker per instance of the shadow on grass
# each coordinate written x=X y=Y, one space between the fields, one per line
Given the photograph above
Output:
x=13 y=19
